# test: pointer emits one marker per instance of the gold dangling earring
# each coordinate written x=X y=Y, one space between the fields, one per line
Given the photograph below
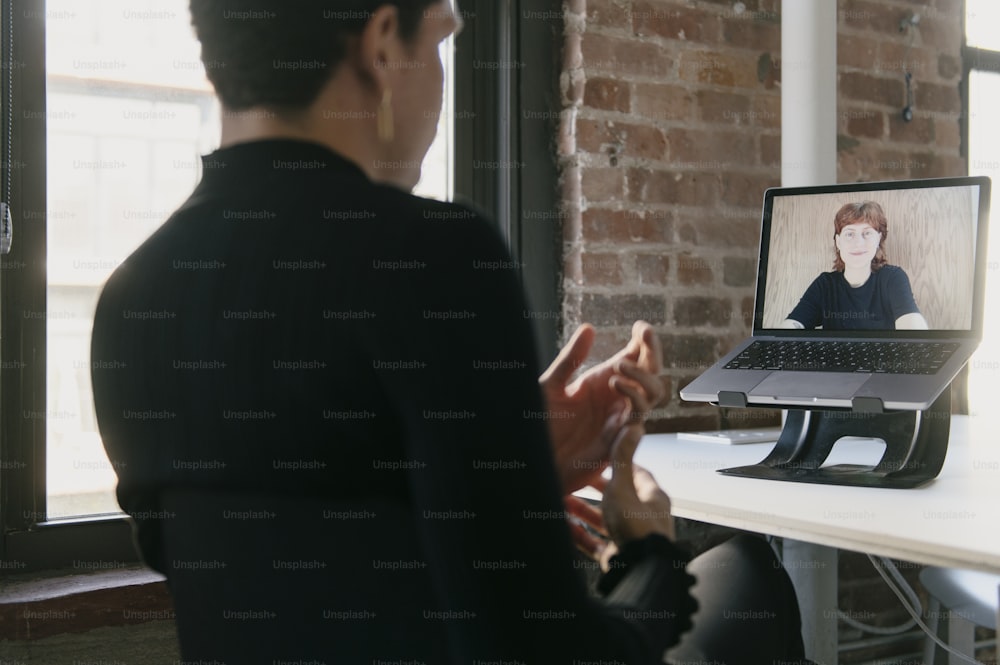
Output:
x=386 y=123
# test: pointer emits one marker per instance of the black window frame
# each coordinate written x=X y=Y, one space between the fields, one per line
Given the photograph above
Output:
x=507 y=106
x=973 y=58
x=490 y=127
x=28 y=540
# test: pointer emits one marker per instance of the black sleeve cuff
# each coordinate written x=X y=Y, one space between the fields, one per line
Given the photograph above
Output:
x=648 y=583
x=635 y=551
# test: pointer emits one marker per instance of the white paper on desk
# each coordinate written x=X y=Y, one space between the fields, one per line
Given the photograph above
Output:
x=733 y=436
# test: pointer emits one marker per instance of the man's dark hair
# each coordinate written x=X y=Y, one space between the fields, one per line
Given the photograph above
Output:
x=280 y=53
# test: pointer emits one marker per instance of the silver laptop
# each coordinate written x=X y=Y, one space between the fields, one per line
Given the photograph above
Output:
x=869 y=297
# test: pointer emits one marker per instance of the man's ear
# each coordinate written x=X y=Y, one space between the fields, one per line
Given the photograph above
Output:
x=380 y=48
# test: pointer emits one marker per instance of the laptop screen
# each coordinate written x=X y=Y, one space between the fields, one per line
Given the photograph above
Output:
x=874 y=257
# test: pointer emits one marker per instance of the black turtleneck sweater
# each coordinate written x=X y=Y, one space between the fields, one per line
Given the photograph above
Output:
x=320 y=395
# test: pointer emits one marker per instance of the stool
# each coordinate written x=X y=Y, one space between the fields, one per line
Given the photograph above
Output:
x=970 y=598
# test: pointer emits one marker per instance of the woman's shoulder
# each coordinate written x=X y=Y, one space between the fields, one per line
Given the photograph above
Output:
x=392 y=202
x=389 y=197
x=829 y=278
x=427 y=221
x=889 y=272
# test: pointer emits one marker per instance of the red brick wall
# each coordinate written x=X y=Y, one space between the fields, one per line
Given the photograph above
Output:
x=671 y=133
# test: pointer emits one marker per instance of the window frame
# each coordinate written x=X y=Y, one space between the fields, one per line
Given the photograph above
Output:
x=31 y=542
x=512 y=32
x=973 y=58
x=495 y=130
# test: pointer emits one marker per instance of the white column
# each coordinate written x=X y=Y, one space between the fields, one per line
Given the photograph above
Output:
x=813 y=570
x=809 y=157
x=808 y=92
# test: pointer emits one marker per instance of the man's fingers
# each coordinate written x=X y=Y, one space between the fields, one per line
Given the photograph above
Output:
x=632 y=348
x=585 y=512
x=622 y=452
x=571 y=356
x=587 y=543
x=631 y=379
x=643 y=479
x=649 y=491
x=641 y=401
x=599 y=483
x=646 y=367
x=650 y=350
x=605 y=557
x=619 y=413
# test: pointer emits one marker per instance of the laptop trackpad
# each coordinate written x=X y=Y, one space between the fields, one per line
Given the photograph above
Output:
x=808 y=385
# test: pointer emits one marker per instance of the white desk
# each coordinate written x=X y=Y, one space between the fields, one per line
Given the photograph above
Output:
x=952 y=521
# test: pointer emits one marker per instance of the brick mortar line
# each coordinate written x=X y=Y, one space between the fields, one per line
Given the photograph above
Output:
x=764 y=130
x=706 y=167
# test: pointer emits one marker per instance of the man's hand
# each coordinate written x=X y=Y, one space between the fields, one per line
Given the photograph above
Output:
x=589 y=541
x=586 y=416
x=633 y=506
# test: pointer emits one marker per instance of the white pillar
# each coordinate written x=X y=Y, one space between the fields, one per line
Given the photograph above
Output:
x=809 y=157
x=808 y=92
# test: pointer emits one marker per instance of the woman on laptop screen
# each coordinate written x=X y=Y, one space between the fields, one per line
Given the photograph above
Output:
x=862 y=291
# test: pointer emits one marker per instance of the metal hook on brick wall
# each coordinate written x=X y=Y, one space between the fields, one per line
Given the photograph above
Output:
x=908 y=109
x=911 y=19
x=615 y=150
x=908 y=23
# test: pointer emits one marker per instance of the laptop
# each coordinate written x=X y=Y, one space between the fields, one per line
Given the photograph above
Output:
x=888 y=317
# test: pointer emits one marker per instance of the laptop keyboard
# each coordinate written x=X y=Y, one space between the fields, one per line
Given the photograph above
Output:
x=884 y=357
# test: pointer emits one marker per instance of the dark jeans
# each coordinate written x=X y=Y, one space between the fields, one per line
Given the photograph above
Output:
x=747 y=610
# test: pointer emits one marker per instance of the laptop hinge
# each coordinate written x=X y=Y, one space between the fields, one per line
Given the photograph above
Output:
x=732 y=398
x=867 y=405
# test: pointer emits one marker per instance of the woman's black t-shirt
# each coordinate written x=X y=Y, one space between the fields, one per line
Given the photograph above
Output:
x=834 y=304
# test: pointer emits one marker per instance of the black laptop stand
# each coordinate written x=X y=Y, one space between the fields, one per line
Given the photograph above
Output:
x=915 y=445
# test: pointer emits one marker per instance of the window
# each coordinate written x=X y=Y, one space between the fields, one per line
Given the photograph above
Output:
x=982 y=76
x=106 y=111
x=114 y=113
x=129 y=113
x=507 y=104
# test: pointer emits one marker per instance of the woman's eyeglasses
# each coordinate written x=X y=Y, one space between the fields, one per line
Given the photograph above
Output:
x=866 y=236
